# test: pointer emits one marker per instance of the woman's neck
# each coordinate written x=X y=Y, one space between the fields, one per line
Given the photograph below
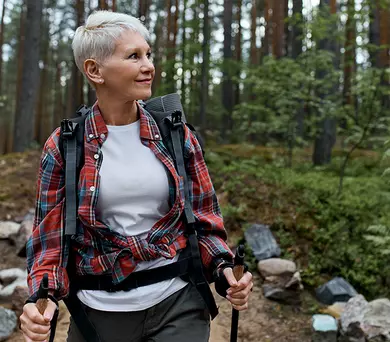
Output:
x=117 y=113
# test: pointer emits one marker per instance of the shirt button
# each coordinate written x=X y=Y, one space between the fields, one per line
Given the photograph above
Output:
x=91 y=135
x=92 y=188
x=102 y=136
x=157 y=136
x=96 y=156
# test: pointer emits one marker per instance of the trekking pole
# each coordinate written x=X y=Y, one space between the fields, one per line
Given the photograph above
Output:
x=43 y=301
x=43 y=292
x=238 y=271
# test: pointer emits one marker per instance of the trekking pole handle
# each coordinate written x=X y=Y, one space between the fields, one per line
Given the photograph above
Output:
x=238 y=269
x=43 y=293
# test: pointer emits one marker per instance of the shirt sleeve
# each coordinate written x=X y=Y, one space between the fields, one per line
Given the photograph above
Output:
x=210 y=228
x=45 y=246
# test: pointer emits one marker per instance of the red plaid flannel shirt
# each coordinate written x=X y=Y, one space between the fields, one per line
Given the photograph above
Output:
x=98 y=249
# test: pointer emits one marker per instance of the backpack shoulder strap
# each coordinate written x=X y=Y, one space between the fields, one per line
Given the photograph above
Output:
x=197 y=277
x=71 y=145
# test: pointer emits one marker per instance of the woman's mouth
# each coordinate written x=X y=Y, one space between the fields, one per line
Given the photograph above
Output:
x=145 y=81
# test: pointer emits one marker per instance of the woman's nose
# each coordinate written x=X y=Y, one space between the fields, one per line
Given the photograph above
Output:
x=147 y=66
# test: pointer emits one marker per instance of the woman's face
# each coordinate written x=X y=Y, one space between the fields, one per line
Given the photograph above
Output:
x=129 y=72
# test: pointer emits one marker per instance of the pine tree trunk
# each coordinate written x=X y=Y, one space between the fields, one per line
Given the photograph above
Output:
x=238 y=53
x=374 y=34
x=183 y=54
x=253 y=49
x=268 y=27
x=297 y=31
x=287 y=30
x=349 y=55
x=205 y=67
x=1 y=45
x=24 y=122
x=158 y=31
x=227 y=83
x=103 y=5
x=278 y=38
x=326 y=137
x=77 y=77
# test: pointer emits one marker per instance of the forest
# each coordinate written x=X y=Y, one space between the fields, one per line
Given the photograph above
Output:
x=292 y=99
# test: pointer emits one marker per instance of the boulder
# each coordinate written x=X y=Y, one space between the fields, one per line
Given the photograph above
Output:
x=263 y=244
x=11 y=278
x=19 y=297
x=283 y=288
x=324 y=328
x=20 y=238
x=8 y=228
x=363 y=321
x=335 y=290
x=276 y=267
x=8 y=322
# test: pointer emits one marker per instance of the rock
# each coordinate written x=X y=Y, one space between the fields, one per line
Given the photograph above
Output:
x=12 y=278
x=276 y=267
x=335 y=310
x=19 y=297
x=376 y=324
x=8 y=322
x=283 y=288
x=29 y=216
x=363 y=321
x=324 y=328
x=8 y=228
x=262 y=242
x=281 y=295
x=335 y=290
x=354 y=311
x=21 y=237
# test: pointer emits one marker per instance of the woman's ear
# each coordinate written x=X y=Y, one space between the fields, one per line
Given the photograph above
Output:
x=92 y=71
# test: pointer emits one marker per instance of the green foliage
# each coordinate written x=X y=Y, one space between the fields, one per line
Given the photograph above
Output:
x=326 y=235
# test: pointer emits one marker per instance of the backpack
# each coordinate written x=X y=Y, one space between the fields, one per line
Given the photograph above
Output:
x=168 y=113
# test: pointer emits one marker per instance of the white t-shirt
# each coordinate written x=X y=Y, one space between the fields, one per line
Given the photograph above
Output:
x=133 y=196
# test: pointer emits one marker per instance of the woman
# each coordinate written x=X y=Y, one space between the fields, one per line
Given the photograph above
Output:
x=129 y=215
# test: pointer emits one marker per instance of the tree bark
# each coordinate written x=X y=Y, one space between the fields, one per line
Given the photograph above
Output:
x=253 y=49
x=205 y=68
x=278 y=38
x=297 y=32
x=374 y=34
x=349 y=55
x=103 y=5
x=238 y=52
x=227 y=83
x=326 y=136
x=1 y=44
x=268 y=28
x=77 y=76
x=24 y=122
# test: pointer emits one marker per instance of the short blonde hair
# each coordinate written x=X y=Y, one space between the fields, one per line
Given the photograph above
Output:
x=96 y=39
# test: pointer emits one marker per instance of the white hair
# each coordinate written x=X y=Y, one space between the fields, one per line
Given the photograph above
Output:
x=96 y=39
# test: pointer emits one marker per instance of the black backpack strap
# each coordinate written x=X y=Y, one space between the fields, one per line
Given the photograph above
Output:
x=196 y=276
x=71 y=145
x=72 y=148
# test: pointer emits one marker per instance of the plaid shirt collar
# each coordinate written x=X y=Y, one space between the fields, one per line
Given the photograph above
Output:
x=95 y=127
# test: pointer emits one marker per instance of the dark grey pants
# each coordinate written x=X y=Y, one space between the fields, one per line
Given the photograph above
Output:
x=181 y=317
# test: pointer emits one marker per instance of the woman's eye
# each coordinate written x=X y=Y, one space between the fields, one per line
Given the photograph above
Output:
x=149 y=55
x=133 y=56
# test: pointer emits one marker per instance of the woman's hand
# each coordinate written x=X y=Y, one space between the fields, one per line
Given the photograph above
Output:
x=238 y=292
x=36 y=327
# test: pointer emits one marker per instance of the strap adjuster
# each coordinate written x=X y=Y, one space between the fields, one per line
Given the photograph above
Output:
x=176 y=118
x=67 y=129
